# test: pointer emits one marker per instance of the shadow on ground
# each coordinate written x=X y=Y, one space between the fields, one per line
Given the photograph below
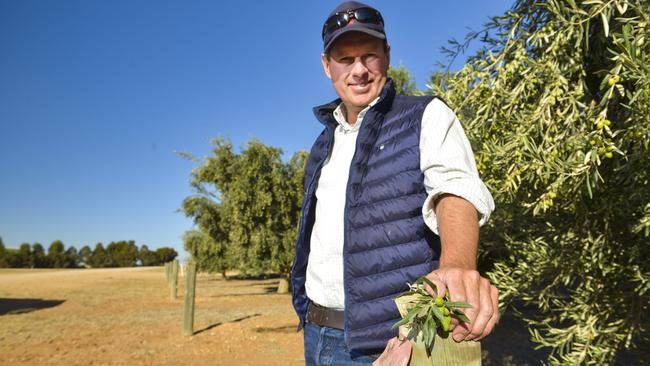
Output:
x=218 y=324
x=21 y=306
x=280 y=329
x=510 y=344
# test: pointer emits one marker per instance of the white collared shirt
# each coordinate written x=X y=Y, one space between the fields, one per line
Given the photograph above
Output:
x=447 y=162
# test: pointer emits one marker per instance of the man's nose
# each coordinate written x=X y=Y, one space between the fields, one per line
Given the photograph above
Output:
x=359 y=67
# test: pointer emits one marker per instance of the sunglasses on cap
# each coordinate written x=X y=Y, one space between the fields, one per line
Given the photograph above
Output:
x=341 y=19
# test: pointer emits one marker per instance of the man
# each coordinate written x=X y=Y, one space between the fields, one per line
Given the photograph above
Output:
x=391 y=194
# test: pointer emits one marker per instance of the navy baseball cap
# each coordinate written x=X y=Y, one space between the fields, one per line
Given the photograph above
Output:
x=367 y=20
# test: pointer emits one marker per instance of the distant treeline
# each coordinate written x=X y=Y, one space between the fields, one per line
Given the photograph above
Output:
x=115 y=254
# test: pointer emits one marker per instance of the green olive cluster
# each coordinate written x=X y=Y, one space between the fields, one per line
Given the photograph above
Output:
x=428 y=315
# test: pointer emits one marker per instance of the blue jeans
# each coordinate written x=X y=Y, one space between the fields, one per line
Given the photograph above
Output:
x=325 y=346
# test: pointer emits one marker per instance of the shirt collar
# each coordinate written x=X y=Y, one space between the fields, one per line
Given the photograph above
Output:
x=339 y=116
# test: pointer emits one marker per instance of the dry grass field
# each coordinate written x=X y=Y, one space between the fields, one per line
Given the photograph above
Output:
x=124 y=316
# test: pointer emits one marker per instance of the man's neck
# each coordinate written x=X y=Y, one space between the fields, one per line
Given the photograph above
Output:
x=351 y=114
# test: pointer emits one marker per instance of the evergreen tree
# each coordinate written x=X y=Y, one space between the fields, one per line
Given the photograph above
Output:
x=25 y=258
x=122 y=253
x=166 y=254
x=55 y=254
x=557 y=105
x=99 y=257
x=71 y=258
x=38 y=254
x=404 y=82
x=246 y=207
x=85 y=253
x=148 y=257
x=3 y=255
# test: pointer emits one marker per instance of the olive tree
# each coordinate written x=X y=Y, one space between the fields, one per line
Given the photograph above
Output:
x=557 y=106
x=246 y=207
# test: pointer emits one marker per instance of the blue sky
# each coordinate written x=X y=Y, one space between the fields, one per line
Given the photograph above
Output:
x=96 y=98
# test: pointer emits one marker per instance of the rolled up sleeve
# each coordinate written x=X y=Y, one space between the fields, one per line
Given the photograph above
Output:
x=447 y=162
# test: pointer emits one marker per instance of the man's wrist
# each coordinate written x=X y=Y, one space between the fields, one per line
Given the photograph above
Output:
x=470 y=265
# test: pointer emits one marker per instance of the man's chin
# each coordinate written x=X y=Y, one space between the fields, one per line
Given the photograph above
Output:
x=361 y=101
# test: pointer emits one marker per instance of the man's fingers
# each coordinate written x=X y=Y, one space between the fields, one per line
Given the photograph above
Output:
x=440 y=285
x=494 y=319
x=471 y=281
x=454 y=323
x=396 y=353
x=485 y=312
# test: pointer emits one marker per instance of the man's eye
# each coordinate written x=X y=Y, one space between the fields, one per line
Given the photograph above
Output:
x=346 y=60
x=371 y=58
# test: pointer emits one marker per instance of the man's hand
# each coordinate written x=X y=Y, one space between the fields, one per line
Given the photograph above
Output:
x=458 y=228
x=396 y=353
x=468 y=286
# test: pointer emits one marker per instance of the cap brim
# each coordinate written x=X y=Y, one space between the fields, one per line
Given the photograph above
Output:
x=356 y=27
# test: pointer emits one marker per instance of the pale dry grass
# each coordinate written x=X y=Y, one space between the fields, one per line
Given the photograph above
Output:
x=124 y=316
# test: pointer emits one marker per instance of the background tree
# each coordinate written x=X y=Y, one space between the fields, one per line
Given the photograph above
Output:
x=557 y=106
x=99 y=258
x=246 y=207
x=84 y=255
x=3 y=255
x=208 y=245
x=403 y=80
x=207 y=253
x=25 y=258
x=166 y=254
x=148 y=257
x=55 y=254
x=39 y=256
x=71 y=258
x=122 y=253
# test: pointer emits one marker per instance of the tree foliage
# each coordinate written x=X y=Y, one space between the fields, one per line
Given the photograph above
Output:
x=557 y=106
x=55 y=254
x=122 y=253
x=116 y=254
x=403 y=80
x=165 y=254
x=246 y=207
x=148 y=257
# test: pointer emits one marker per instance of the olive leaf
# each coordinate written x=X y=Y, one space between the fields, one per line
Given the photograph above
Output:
x=428 y=315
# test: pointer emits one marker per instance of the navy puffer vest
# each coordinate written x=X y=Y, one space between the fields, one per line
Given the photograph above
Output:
x=386 y=242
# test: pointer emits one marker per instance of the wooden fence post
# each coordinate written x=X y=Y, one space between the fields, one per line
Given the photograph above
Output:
x=188 y=305
x=174 y=280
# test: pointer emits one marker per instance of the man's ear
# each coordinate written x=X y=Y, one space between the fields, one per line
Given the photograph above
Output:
x=326 y=65
x=388 y=52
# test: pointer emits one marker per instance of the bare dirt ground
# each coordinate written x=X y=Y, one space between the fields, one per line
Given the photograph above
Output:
x=124 y=316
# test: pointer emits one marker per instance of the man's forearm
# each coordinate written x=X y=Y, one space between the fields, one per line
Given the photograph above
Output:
x=459 y=231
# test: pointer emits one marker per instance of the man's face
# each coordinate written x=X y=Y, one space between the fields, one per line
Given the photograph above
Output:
x=357 y=67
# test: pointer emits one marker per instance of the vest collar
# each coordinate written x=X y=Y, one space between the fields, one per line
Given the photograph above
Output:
x=325 y=113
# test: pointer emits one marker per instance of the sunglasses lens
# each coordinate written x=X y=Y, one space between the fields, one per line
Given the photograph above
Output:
x=367 y=15
x=340 y=20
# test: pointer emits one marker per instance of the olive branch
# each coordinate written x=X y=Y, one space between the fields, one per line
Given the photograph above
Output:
x=427 y=315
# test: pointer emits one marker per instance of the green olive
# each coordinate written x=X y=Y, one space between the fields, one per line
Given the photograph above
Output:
x=439 y=301
x=446 y=322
